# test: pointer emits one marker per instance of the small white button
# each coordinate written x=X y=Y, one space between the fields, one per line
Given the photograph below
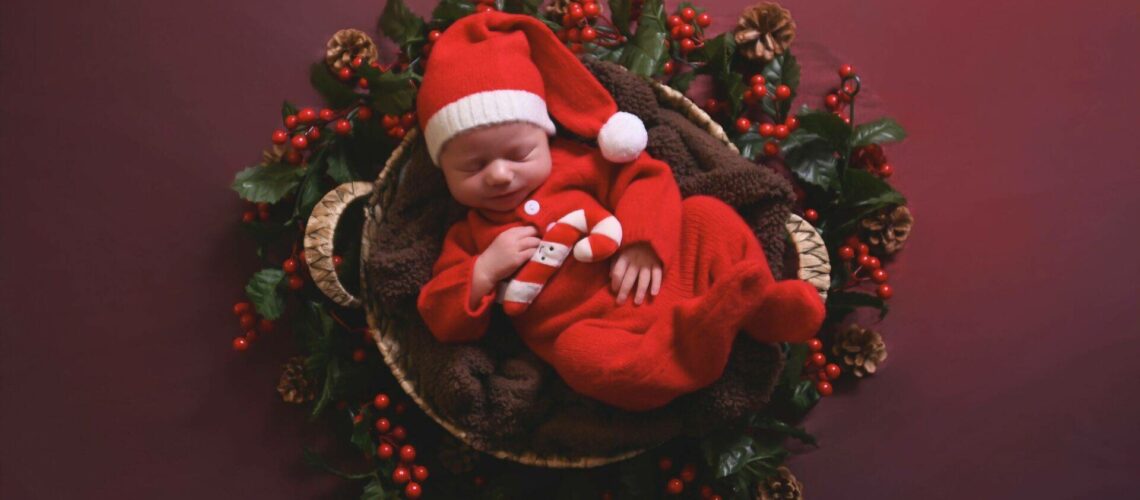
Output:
x=531 y=207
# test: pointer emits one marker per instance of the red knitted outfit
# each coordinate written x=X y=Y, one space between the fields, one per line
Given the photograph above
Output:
x=716 y=282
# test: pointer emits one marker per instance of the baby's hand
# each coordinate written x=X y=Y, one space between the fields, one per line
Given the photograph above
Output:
x=638 y=264
x=510 y=250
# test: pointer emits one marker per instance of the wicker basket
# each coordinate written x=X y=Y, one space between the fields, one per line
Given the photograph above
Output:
x=813 y=263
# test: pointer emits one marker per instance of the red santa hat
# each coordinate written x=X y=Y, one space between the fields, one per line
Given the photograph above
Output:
x=496 y=68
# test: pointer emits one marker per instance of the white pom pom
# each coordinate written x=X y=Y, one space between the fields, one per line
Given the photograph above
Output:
x=622 y=138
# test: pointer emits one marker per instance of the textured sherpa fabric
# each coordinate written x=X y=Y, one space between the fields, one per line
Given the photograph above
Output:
x=495 y=388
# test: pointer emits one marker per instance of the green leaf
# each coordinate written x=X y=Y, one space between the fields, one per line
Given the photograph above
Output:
x=314 y=460
x=264 y=291
x=362 y=438
x=804 y=398
x=726 y=452
x=528 y=7
x=880 y=131
x=750 y=144
x=449 y=11
x=646 y=51
x=374 y=490
x=328 y=389
x=339 y=169
x=399 y=23
x=392 y=93
x=773 y=424
x=334 y=91
x=621 y=13
x=814 y=163
x=862 y=195
x=827 y=126
x=267 y=183
x=718 y=52
x=794 y=366
x=681 y=82
x=841 y=303
x=287 y=108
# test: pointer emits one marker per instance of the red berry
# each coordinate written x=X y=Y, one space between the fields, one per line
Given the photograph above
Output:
x=383 y=425
x=280 y=137
x=420 y=473
x=818 y=359
x=688 y=473
x=364 y=113
x=413 y=490
x=710 y=104
x=401 y=475
x=885 y=291
x=667 y=68
x=300 y=142
x=313 y=134
x=704 y=20
x=864 y=249
x=846 y=71
x=688 y=45
x=307 y=115
x=771 y=149
x=266 y=326
x=357 y=62
x=782 y=132
x=326 y=114
x=811 y=215
x=759 y=90
x=824 y=388
x=337 y=260
x=743 y=125
x=864 y=260
x=385 y=451
x=588 y=34
x=290 y=265
x=296 y=283
x=574 y=35
x=381 y=401
x=389 y=121
x=715 y=497
x=674 y=21
x=815 y=345
x=362 y=83
x=247 y=321
x=292 y=157
x=757 y=79
x=290 y=121
x=686 y=30
x=879 y=276
x=688 y=14
x=749 y=97
x=832 y=370
x=358 y=418
x=399 y=433
x=846 y=252
x=358 y=355
x=793 y=123
x=886 y=170
x=783 y=92
x=240 y=344
x=577 y=48
x=251 y=335
x=674 y=486
x=241 y=308
x=408 y=120
x=407 y=453
x=832 y=101
x=706 y=492
x=665 y=463
x=592 y=10
x=397 y=132
x=767 y=129
x=342 y=127
x=263 y=215
x=482 y=8
x=434 y=35
x=874 y=263
x=344 y=74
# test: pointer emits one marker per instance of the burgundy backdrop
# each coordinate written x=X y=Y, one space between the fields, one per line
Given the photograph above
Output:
x=1013 y=339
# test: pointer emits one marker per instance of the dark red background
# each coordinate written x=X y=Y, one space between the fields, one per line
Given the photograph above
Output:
x=1013 y=339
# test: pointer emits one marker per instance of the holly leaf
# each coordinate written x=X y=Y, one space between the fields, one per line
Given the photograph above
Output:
x=814 y=163
x=804 y=397
x=727 y=452
x=841 y=303
x=827 y=126
x=392 y=93
x=264 y=291
x=334 y=91
x=362 y=438
x=528 y=7
x=287 y=108
x=773 y=424
x=328 y=389
x=266 y=183
x=374 y=490
x=339 y=168
x=646 y=51
x=682 y=82
x=880 y=131
x=794 y=366
x=750 y=144
x=621 y=13
x=449 y=11
x=863 y=194
x=400 y=24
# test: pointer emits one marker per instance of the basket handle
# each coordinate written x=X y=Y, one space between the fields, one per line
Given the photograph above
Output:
x=815 y=264
x=319 y=234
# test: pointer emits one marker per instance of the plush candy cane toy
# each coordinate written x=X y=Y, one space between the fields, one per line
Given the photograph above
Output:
x=603 y=240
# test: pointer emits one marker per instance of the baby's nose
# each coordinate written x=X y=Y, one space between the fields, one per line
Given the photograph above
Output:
x=499 y=172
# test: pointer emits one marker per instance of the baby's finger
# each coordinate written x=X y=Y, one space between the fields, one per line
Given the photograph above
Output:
x=617 y=271
x=642 y=285
x=530 y=242
x=627 y=284
x=656 y=276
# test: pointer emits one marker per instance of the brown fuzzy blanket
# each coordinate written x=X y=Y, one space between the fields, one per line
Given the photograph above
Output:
x=500 y=392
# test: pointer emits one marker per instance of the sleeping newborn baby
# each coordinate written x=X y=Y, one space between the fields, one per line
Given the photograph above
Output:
x=545 y=214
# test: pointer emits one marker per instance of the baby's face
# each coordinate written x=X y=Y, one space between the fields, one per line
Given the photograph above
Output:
x=496 y=167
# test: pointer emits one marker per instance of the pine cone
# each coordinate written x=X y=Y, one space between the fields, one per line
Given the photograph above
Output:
x=346 y=45
x=886 y=231
x=859 y=349
x=294 y=387
x=782 y=486
x=764 y=31
x=273 y=155
x=456 y=456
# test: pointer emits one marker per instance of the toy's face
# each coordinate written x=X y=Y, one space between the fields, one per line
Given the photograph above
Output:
x=496 y=167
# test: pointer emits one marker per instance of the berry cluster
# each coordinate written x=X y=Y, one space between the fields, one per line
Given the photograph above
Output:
x=872 y=159
x=844 y=95
x=251 y=325
x=391 y=436
x=580 y=26
x=303 y=130
x=255 y=212
x=816 y=367
x=862 y=266
x=398 y=126
x=687 y=31
x=687 y=474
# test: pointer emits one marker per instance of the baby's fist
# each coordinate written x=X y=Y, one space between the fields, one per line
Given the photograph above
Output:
x=508 y=252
